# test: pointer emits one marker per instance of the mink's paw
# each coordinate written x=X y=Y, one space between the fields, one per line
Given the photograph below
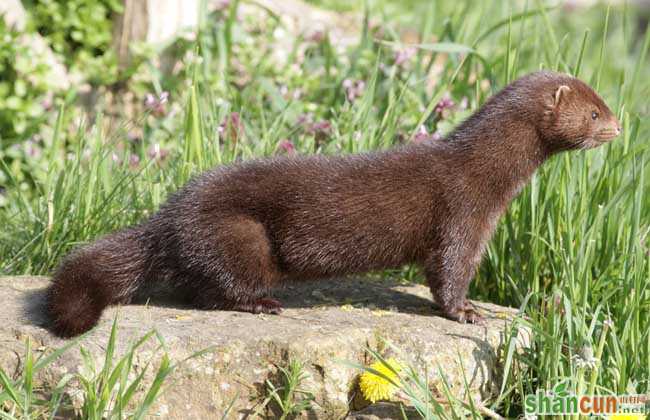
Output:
x=466 y=315
x=262 y=306
x=471 y=316
x=268 y=306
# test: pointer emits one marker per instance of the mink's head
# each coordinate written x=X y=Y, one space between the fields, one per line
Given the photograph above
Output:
x=574 y=116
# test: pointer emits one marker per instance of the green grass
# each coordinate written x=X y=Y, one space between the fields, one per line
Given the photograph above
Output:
x=573 y=249
x=286 y=398
x=115 y=390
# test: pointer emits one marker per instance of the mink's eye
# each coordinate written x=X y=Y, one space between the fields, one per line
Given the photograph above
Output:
x=594 y=115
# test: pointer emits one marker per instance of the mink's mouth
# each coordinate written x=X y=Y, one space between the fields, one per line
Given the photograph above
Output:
x=595 y=141
x=607 y=134
x=599 y=141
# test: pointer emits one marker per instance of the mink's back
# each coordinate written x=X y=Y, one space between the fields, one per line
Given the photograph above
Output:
x=323 y=215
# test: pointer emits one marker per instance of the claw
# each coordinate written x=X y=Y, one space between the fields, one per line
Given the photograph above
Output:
x=466 y=315
x=263 y=306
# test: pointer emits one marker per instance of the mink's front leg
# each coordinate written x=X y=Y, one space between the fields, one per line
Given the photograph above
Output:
x=449 y=272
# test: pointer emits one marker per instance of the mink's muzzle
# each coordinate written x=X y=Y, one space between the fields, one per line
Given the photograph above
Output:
x=609 y=131
x=607 y=134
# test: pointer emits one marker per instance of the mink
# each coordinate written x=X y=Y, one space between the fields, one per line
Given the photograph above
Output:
x=234 y=233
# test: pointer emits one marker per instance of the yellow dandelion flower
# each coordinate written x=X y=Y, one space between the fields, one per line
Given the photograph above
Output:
x=374 y=387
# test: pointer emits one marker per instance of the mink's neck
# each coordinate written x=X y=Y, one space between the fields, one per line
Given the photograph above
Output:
x=499 y=154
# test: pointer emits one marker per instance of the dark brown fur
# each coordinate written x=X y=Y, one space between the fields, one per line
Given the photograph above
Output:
x=234 y=233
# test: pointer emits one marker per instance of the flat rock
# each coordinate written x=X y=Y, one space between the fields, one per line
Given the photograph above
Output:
x=324 y=325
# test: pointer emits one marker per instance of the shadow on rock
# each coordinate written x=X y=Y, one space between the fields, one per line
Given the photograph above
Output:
x=370 y=293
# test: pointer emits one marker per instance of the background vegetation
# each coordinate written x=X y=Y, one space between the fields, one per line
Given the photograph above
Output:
x=572 y=251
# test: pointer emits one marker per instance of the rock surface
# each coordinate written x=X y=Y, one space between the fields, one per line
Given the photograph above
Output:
x=323 y=325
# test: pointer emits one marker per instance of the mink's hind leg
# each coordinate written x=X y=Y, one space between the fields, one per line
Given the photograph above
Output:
x=449 y=278
x=237 y=267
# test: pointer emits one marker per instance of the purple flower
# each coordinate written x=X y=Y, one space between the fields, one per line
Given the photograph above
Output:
x=156 y=104
x=31 y=149
x=316 y=36
x=287 y=147
x=404 y=55
x=157 y=153
x=323 y=127
x=319 y=129
x=149 y=100
x=133 y=137
x=424 y=136
x=134 y=161
x=445 y=103
x=353 y=89
x=305 y=120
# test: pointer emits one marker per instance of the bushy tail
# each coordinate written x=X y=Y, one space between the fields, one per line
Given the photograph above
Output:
x=106 y=272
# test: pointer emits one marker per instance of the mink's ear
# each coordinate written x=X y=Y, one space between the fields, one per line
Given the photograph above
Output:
x=560 y=94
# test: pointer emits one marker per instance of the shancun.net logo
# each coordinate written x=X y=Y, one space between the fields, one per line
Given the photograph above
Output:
x=560 y=400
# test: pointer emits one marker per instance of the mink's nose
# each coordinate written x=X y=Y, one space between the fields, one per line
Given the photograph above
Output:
x=617 y=126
